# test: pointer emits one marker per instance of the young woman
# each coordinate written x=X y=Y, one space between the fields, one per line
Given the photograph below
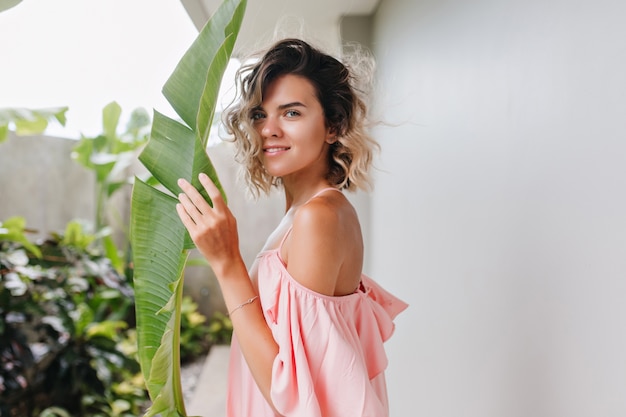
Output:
x=308 y=326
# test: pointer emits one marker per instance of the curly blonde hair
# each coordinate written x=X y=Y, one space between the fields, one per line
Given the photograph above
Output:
x=342 y=101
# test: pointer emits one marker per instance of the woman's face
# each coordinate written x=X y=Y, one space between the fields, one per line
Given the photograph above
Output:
x=293 y=129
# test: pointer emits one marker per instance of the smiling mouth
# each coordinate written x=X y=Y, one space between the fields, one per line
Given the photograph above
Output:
x=274 y=150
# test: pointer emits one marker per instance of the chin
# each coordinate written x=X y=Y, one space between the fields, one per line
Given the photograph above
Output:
x=276 y=172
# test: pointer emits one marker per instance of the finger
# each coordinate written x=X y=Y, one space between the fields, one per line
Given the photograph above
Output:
x=212 y=191
x=190 y=208
x=184 y=217
x=194 y=196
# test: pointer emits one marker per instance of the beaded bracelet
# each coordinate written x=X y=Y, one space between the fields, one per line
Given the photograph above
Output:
x=245 y=303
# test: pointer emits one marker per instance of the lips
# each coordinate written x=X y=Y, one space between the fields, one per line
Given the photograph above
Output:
x=275 y=149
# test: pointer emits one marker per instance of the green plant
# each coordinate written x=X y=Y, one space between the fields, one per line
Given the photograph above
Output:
x=67 y=320
x=66 y=317
x=220 y=329
x=7 y=4
x=194 y=331
x=159 y=241
x=109 y=155
x=197 y=334
x=26 y=121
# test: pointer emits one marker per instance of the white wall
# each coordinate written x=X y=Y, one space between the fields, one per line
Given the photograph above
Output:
x=500 y=209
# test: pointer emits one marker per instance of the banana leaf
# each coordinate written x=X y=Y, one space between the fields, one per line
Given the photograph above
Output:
x=7 y=4
x=160 y=243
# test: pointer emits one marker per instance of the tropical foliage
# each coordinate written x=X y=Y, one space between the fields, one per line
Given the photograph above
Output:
x=176 y=149
x=198 y=334
x=110 y=155
x=68 y=329
x=7 y=4
x=28 y=121
x=68 y=346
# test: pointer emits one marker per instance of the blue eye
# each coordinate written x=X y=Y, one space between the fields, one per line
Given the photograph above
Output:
x=257 y=115
x=292 y=113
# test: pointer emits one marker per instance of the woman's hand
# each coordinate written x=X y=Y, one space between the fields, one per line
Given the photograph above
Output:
x=212 y=229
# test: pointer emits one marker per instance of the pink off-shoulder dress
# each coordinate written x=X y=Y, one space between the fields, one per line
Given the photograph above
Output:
x=331 y=359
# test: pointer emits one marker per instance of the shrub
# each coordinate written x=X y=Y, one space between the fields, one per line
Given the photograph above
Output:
x=67 y=318
x=68 y=345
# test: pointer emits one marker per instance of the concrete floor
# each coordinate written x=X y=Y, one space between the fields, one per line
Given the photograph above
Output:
x=209 y=396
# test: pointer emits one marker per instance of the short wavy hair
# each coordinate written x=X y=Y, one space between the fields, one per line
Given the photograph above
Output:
x=343 y=104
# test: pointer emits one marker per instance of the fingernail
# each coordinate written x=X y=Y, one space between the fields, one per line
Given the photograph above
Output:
x=203 y=176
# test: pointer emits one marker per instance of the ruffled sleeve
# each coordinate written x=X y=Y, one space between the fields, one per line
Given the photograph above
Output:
x=330 y=348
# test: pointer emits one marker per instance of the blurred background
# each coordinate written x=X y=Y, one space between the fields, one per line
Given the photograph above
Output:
x=499 y=207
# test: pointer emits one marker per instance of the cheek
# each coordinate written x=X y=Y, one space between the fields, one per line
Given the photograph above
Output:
x=256 y=127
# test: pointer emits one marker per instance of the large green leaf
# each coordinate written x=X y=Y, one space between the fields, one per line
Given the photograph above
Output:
x=159 y=240
x=7 y=4
x=191 y=79
x=174 y=152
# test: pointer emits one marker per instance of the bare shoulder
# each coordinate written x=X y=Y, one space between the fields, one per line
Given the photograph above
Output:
x=321 y=210
x=329 y=216
x=326 y=233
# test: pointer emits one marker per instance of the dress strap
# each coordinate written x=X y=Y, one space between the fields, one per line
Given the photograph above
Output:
x=280 y=246
x=317 y=194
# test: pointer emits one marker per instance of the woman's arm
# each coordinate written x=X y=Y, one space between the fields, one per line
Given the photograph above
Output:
x=214 y=231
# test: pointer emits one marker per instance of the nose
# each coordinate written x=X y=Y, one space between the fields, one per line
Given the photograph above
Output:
x=270 y=128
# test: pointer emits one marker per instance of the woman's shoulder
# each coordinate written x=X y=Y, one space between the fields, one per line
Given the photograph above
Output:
x=324 y=219
x=325 y=248
x=328 y=210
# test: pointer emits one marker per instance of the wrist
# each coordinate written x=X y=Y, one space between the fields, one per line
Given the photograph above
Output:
x=229 y=269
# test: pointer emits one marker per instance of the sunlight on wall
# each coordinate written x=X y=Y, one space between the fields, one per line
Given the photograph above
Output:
x=85 y=54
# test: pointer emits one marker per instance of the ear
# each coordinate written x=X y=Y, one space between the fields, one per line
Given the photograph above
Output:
x=331 y=136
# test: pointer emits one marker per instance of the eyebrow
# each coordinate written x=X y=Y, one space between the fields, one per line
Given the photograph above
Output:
x=282 y=106
x=292 y=104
